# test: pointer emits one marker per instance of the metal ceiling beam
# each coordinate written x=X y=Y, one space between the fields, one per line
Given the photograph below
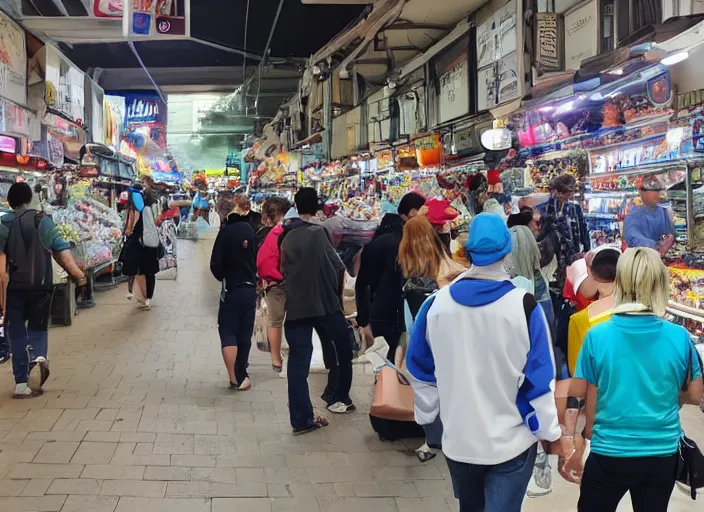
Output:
x=229 y=49
x=409 y=25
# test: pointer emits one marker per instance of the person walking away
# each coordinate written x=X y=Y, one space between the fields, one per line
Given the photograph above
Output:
x=233 y=264
x=650 y=225
x=426 y=266
x=141 y=255
x=480 y=357
x=268 y=259
x=313 y=280
x=634 y=366
x=28 y=240
x=243 y=207
x=379 y=285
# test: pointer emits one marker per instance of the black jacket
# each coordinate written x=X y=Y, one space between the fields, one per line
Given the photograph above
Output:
x=313 y=272
x=233 y=257
x=379 y=286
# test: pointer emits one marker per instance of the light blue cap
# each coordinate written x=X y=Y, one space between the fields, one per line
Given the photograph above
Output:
x=489 y=239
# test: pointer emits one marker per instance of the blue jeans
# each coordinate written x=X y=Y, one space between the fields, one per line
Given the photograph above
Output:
x=27 y=326
x=497 y=488
x=333 y=332
x=433 y=433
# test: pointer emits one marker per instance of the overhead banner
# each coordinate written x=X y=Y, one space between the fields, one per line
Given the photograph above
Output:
x=13 y=61
x=497 y=60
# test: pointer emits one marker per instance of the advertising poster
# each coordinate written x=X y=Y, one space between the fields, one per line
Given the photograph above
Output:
x=497 y=60
x=149 y=17
x=13 y=61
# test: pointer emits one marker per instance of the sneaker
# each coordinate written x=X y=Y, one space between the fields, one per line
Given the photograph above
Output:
x=147 y=305
x=4 y=359
x=130 y=296
x=22 y=392
x=38 y=373
x=541 y=480
x=342 y=408
x=425 y=453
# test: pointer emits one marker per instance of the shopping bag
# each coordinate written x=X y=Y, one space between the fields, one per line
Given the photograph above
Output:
x=261 y=319
x=690 y=465
x=393 y=395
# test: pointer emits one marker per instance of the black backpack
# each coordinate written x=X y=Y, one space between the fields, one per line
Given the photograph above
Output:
x=28 y=260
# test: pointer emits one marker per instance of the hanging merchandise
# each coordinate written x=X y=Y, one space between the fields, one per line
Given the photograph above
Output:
x=94 y=227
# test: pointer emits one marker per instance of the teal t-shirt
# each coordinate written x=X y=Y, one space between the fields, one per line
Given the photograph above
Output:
x=639 y=364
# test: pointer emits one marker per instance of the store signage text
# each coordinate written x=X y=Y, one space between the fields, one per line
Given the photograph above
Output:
x=548 y=50
x=8 y=144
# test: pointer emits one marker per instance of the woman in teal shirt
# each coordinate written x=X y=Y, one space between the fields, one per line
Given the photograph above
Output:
x=638 y=367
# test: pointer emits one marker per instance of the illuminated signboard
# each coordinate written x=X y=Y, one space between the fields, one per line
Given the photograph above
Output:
x=8 y=144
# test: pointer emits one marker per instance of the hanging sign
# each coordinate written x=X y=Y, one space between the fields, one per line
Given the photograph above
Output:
x=548 y=37
x=580 y=27
x=149 y=17
x=13 y=61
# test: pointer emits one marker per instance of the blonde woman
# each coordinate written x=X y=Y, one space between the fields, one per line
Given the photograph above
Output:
x=634 y=366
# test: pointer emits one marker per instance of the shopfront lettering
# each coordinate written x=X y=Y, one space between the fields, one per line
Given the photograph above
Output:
x=578 y=25
x=548 y=40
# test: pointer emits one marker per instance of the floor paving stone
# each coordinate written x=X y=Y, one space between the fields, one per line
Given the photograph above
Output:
x=137 y=416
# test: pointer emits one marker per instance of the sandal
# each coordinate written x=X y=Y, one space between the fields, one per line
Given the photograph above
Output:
x=246 y=385
x=341 y=408
x=318 y=422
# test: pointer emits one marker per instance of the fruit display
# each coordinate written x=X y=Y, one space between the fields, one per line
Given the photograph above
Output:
x=687 y=286
x=94 y=228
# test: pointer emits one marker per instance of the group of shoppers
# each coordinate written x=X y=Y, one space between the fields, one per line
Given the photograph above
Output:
x=488 y=333
x=292 y=260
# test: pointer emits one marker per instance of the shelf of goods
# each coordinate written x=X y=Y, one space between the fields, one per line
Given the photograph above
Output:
x=94 y=228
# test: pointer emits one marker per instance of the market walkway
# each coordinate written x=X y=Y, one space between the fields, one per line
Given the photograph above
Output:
x=137 y=417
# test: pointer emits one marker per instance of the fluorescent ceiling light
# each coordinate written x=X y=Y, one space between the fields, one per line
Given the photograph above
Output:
x=617 y=71
x=675 y=58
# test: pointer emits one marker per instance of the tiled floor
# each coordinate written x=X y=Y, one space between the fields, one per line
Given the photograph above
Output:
x=137 y=417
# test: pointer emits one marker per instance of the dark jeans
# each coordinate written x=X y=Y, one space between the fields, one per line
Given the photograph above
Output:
x=236 y=324
x=4 y=345
x=151 y=285
x=606 y=480
x=333 y=332
x=27 y=322
x=391 y=334
x=433 y=433
x=497 y=488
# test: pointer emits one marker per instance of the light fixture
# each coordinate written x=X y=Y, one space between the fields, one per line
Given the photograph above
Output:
x=496 y=139
x=617 y=71
x=675 y=58
x=316 y=70
x=391 y=84
x=547 y=108
x=344 y=74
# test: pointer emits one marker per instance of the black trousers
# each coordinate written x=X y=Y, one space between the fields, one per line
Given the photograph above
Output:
x=606 y=480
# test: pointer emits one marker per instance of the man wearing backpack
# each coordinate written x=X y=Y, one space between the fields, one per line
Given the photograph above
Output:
x=28 y=240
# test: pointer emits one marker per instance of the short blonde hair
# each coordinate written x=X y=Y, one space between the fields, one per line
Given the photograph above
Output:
x=642 y=277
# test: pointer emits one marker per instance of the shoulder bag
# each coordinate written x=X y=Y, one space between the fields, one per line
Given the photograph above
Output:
x=690 y=463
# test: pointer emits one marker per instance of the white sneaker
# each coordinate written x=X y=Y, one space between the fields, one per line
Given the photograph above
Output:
x=147 y=305
x=541 y=480
x=130 y=296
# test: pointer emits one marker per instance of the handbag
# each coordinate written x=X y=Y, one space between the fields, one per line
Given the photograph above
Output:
x=690 y=463
x=393 y=395
x=261 y=321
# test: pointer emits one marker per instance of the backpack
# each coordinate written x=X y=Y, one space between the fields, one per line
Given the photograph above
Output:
x=28 y=260
x=150 y=234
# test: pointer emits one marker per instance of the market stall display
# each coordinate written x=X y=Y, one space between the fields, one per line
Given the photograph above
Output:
x=95 y=228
